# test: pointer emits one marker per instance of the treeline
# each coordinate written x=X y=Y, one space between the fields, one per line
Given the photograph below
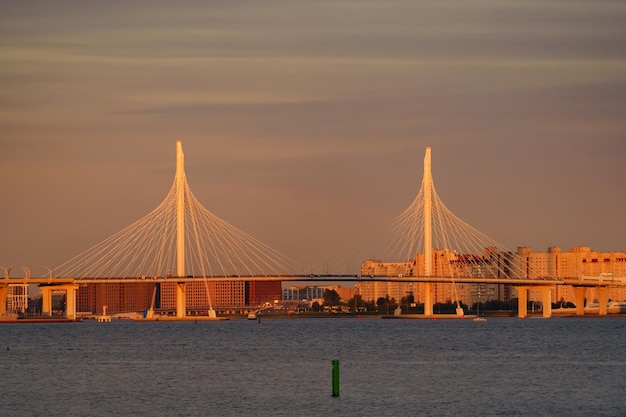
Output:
x=388 y=304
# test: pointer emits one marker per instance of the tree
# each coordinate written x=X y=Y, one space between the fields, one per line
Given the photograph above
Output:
x=331 y=298
x=447 y=307
x=407 y=301
x=496 y=305
x=369 y=305
x=355 y=302
x=386 y=304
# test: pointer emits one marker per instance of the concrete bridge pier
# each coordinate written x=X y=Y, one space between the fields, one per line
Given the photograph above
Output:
x=46 y=300
x=579 y=294
x=546 y=301
x=428 y=298
x=603 y=299
x=181 y=305
x=70 y=299
x=522 y=300
x=4 y=291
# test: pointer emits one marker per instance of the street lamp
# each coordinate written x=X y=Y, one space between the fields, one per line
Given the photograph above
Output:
x=27 y=271
x=7 y=271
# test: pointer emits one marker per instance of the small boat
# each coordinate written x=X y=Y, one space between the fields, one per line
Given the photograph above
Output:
x=478 y=317
x=252 y=315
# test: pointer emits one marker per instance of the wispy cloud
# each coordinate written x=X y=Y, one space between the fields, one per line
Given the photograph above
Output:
x=319 y=107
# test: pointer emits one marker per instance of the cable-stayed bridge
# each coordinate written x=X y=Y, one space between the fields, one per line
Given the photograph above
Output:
x=181 y=241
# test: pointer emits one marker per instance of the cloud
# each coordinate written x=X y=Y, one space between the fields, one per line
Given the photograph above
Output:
x=307 y=121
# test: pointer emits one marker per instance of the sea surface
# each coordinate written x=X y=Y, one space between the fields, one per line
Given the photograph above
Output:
x=283 y=367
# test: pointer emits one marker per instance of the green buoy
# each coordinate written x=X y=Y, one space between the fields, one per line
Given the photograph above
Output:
x=335 y=378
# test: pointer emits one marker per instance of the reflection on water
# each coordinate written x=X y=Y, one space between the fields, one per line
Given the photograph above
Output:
x=282 y=367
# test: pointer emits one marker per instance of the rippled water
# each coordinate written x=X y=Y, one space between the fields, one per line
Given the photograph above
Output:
x=282 y=367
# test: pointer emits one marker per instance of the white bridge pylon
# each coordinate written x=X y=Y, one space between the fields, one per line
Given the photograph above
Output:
x=428 y=240
x=439 y=244
x=179 y=238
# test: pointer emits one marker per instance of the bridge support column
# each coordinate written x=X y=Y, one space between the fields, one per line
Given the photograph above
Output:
x=579 y=294
x=603 y=299
x=4 y=291
x=546 y=301
x=181 y=305
x=428 y=298
x=70 y=301
x=522 y=302
x=46 y=301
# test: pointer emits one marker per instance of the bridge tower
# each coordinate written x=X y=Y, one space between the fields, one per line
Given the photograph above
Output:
x=427 y=186
x=180 y=210
x=181 y=306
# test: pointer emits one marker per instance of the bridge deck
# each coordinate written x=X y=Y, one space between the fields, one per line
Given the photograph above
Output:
x=288 y=278
x=586 y=282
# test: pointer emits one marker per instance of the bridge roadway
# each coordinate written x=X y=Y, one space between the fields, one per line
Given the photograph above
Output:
x=295 y=277
x=579 y=284
x=575 y=281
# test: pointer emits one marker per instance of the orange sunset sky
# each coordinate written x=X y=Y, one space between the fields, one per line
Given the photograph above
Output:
x=304 y=123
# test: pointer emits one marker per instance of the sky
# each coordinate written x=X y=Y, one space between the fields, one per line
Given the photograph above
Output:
x=304 y=123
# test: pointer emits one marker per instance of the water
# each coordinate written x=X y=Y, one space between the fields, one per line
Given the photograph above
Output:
x=282 y=367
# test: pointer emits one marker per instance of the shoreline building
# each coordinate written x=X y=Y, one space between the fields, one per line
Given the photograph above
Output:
x=446 y=263
x=309 y=294
x=372 y=291
x=223 y=294
x=577 y=262
x=92 y=298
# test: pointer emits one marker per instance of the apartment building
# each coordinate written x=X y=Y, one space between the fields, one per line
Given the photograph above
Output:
x=576 y=262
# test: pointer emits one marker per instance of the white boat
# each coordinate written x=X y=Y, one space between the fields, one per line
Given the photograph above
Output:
x=252 y=315
x=478 y=317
